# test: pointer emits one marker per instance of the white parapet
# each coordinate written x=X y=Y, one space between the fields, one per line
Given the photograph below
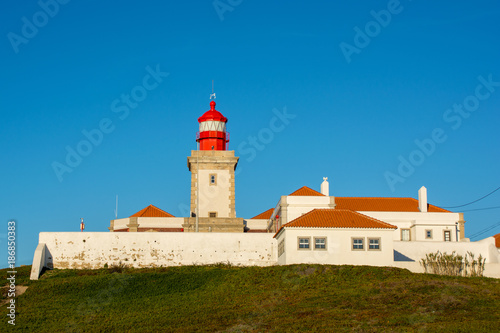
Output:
x=38 y=261
x=146 y=249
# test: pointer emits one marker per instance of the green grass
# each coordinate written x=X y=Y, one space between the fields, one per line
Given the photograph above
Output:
x=221 y=298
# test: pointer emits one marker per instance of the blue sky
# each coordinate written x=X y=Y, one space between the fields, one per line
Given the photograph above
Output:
x=352 y=86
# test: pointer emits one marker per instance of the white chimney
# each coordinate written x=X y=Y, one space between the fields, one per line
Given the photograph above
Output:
x=325 y=187
x=422 y=199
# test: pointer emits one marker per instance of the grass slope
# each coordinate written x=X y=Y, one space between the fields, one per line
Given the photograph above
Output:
x=220 y=298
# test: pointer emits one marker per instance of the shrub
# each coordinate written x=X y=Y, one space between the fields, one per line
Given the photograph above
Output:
x=453 y=264
x=117 y=268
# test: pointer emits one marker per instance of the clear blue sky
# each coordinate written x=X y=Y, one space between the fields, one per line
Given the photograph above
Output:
x=361 y=92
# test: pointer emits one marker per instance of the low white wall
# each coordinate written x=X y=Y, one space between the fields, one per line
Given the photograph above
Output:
x=417 y=250
x=490 y=270
x=121 y=223
x=94 y=249
x=39 y=261
x=150 y=222
x=256 y=224
x=409 y=253
x=160 y=222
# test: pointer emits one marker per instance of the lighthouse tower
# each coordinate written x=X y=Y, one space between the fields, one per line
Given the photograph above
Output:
x=212 y=169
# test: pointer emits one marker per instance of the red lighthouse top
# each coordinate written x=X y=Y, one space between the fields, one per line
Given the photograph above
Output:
x=212 y=134
x=212 y=114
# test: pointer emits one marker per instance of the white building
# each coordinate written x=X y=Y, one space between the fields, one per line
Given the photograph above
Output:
x=305 y=226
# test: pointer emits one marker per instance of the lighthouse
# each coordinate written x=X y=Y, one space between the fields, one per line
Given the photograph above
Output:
x=212 y=169
x=212 y=134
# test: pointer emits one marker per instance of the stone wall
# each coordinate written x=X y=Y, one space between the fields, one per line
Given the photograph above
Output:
x=95 y=249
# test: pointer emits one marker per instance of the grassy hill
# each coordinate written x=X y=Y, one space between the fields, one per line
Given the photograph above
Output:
x=221 y=298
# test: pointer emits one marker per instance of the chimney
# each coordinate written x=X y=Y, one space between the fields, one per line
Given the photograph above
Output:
x=422 y=199
x=325 y=187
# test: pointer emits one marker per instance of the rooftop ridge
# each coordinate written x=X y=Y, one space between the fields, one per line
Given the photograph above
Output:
x=152 y=211
x=306 y=191
x=395 y=204
x=264 y=215
x=335 y=218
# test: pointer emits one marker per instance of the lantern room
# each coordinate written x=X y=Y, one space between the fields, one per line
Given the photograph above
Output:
x=212 y=134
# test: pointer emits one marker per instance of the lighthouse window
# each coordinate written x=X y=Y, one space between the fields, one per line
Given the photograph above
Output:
x=213 y=179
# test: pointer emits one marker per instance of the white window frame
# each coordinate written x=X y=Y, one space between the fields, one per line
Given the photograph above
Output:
x=324 y=244
x=449 y=235
x=379 y=244
x=308 y=243
x=362 y=243
x=409 y=234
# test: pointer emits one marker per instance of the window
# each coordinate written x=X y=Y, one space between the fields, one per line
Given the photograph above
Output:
x=213 y=179
x=304 y=243
x=320 y=243
x=447 y=236
x=358 y=243
x=428 y=234
x=281 y=248
x=405 y=235
x=373 y=243
x=212 y=214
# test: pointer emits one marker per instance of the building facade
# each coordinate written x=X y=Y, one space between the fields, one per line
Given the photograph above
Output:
x=305 y=226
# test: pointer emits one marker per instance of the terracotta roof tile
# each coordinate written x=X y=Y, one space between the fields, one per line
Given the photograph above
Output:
x=383 y=205
x=497 y=240
x=306 y=191
x=336 y=218
x=265 y=215
x=152 y=211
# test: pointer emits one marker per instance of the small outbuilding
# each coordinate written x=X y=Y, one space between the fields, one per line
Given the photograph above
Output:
x=335 y=236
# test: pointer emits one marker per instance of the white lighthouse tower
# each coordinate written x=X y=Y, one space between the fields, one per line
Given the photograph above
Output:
x=212 y=169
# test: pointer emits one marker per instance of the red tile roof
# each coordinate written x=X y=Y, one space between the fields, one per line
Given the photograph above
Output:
x=383 y=205
x=306 y=191
x=497 y=240
x=265 y=215
x=151 y=211
x=336 y=218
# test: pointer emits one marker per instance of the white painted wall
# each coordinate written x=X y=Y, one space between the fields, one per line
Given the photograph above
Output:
x=214 y=198
x=338 y=247
x=121 y=223
x=418 y=222
x=417 y=250
x=39 y=259
x=94 y=249
x=308 y=200
x=299 y=205
x=151 y=222
x=160 y=222
x=256 y=224
x=491 y=270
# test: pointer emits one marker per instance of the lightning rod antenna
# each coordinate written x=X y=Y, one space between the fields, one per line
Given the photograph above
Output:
x=116 y=209
x=212 y=94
